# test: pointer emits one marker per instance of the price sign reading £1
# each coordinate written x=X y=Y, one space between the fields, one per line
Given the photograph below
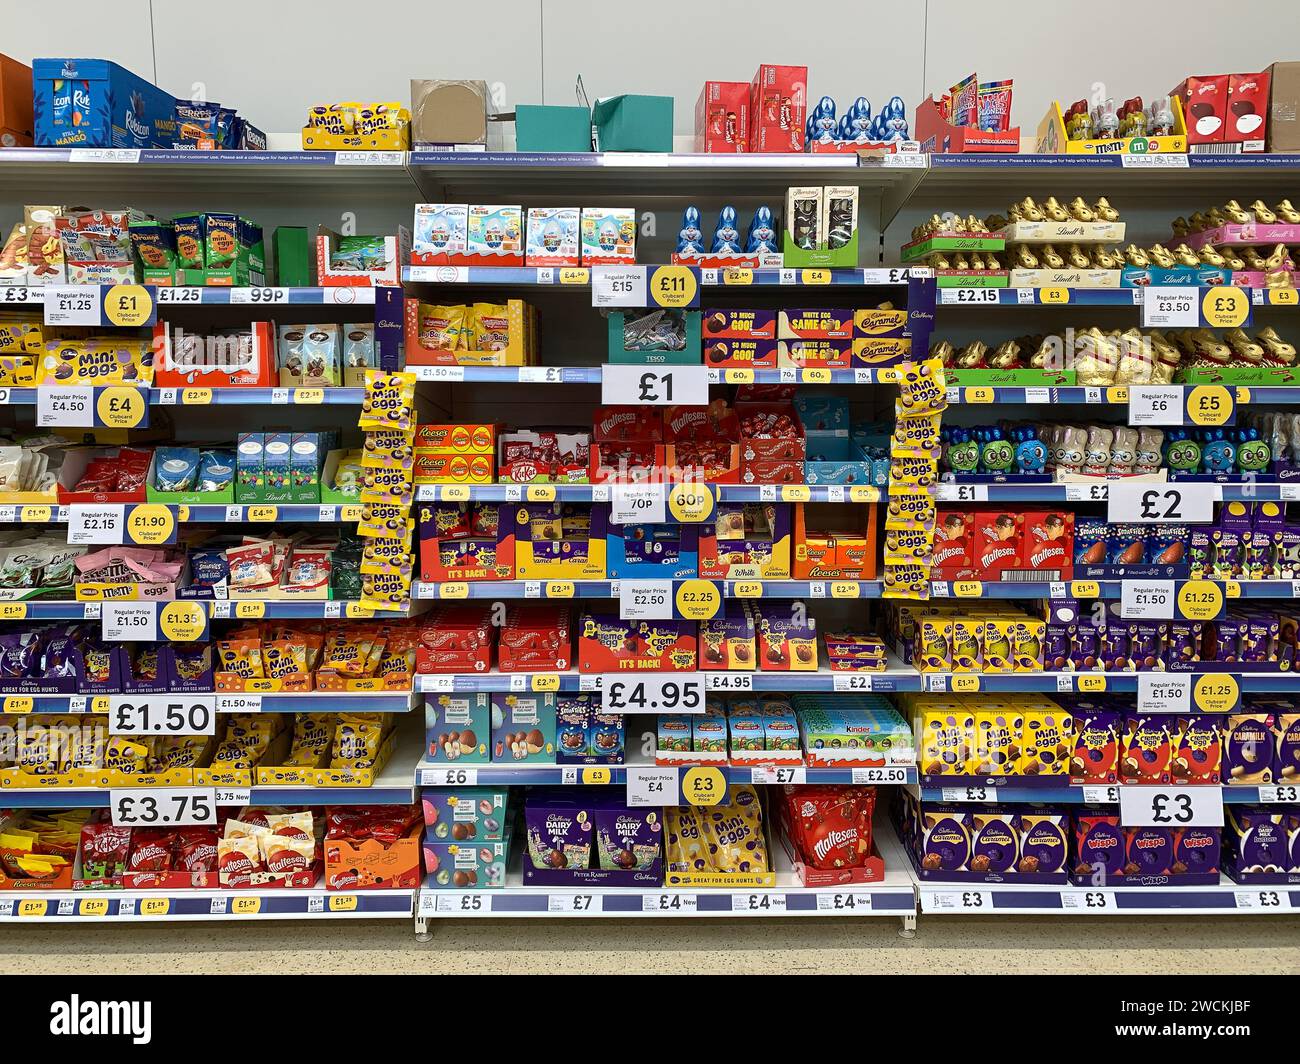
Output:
x=654 y=386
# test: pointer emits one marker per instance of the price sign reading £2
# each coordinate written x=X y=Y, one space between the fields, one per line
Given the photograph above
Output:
x=1180 y=504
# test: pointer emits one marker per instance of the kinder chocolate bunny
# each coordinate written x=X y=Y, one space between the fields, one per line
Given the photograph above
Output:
x=690 y=238
x=726 y=237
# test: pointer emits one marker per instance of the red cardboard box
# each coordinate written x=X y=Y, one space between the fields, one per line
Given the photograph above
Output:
x=372 y=865
x=995 y=545
x=1248 y=103
x=954 y=537
x=778 y=104
x=1205 y=103
x=627 y=444
x=536 y=638
x=722 y=117
x=703 y=443
x=1047 y=543
x=456 y=638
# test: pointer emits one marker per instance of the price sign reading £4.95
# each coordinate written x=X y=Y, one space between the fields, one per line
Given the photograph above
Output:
x=653 y=693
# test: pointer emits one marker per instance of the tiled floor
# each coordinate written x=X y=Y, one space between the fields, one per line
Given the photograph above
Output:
x=956 y=946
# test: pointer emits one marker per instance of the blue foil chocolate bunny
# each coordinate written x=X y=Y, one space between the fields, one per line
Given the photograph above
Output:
x=821 y=124
x=1031 y=453
x=858 y=121
x=690 y=238
x=1218 y=453
x=895 y=119
x=762 y=232
x=726 y=237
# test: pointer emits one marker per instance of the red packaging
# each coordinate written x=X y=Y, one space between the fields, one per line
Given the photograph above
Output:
x=778 y=102
x=1247 y=118
x=995 y=544
x=743 y=324
x=830 y=827
x=536 y=637
x=722 y=117
x=1047 y=543
x=954 y=532
x=609 y=644
x=770 y=430
x=627 y=444
x=455 y=638
x=1196 y=744
x=196 y=849
x=1147 y=750
x=104 y=850
x=151 y=850
x=1205 y=103
x=703 y=443
x=772 y=471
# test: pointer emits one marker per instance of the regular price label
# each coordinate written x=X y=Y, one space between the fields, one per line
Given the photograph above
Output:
x=618 y=286
x=654 y=386
x=448 y=776
x=1171 y=807
x=778 y=774
x=167 y=714
x=1170 y=308
x=1155 y=406
x=1147 y=600
x=73 y=305
x=1160 y=692
x=162 y=806
x=758 y=903
x=645 y=600
x=128 y=621
x=651 y=785
x=1182 y=504
x=96 y=524
x=653 y=693
x=1288 y=795
x=73 y=407
x=637 y=504
x=845 y=903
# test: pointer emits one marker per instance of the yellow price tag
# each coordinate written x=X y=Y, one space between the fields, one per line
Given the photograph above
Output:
x=308 y=396
x=1225 y=308
x=154 y=906
x=739 y=375
x=182 y=622
x=977 y=395
x=262 y=513
x=1232 y=589
x=1091 y=683
x=92 y=907
x=19 y=704
x=704 y=785
x=1200 y=600
x=546 y=682
x=1085 y=589
x=1209 y=404
x=128 y=305
x=698 y=600
x=540 y=493
x=846 y=589
x=815 y=277
x=864 y=493
x=747 y=589
x=454 y=492
x=1117 y=394
x=796 y=493
x=355 y=610
x=597 y=775
x=33 y=906
x=150 y=524
x=1054 y=296
x=250 y=611
x=350 y=512
x=690 y=503
x=343 y=903
x=245 y=906
x=573 y=275
x=13 y=611
x=196 y=396
x=560 y=589
x=35 y=515
x=967 y=589
x=1216 y=692
x=965 y=683
x=456 y=590
x=121 y=406
x=815 y=375
x=674 y=286
x=736 y=275
x=1283 y=297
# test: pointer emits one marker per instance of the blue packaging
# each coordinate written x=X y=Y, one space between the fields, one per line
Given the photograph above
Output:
x=657 y=552
x=835 y=459
x=823 y=413
x=93 y=103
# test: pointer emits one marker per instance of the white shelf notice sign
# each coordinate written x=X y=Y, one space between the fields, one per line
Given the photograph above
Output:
x=73 y=407
x=637 y=504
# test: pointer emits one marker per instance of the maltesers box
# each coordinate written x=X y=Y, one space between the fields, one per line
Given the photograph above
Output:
x=1205 y=103
x=374 y=865
x=1248 y=108
x=778 y=103
x=607 y=643
x=702 y=443
x=722 y=117
x=627 y=444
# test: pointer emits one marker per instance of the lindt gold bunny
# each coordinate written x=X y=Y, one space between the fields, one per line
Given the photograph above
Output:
x=1078 y=259
x=1104 y=211
x=1007 y=356
x=1161 y=257
x=1196 y=223
x=1023 y=258
x=1236 y=213
x=1080 y=211
x=1054 y=211
x=1279 y=260
x=1135 y=256
x=1262 y=214
x=971 y=356
x=1210 y=257
x=1050 y=258
x=1181 y=227
x=1186 y=256
x=1105 y=259
x=1277 y=348
x=1286 y=213
x=943 y=351
x=1253 y=259
x=1245 y=348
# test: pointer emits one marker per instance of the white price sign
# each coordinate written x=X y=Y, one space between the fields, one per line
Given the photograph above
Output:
x=654 y=386
x=95 y=524
x=239 y=703
x=1100 y=795
x=150 y=807
x=1171 y=807
x=645 y=600
x=170 y=294
x=769 y=774
x=637 y=504
x=729 y=681
x=72 y=305
x=1160 y=692
x=1088 y=901
x=1178 y=504
x=651 y=785
x=73 y=407
x=618 y=286
x=1266 y=899
x=167 y=714
x=949 y=901
x=851 y=681
x=970 y=794
x=1147 y=600
x=448 y=776
x=670 y=904
x=1286 y=794
x=653 y=693
x=968 y=295
x=848 y=904
x=579 y=904
x=1170 y=308
x=1155 y=405
x=873 y=774
x=758 y=903
x=126 y=621
x=259 y=295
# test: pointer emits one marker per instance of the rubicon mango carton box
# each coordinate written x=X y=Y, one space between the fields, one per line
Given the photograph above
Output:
x=92 y=103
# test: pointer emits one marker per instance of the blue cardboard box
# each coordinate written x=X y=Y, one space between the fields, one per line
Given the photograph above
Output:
x=653 y=552
x=93 y=103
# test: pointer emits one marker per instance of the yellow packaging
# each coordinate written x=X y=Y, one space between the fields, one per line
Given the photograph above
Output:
x=98 y=360
x=946 y=741
x=966 y=645
x=441 y=327
x=998 y=634
x=1048 y=740
x=999 y=738
x=1027 y=645
x=933 y=644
